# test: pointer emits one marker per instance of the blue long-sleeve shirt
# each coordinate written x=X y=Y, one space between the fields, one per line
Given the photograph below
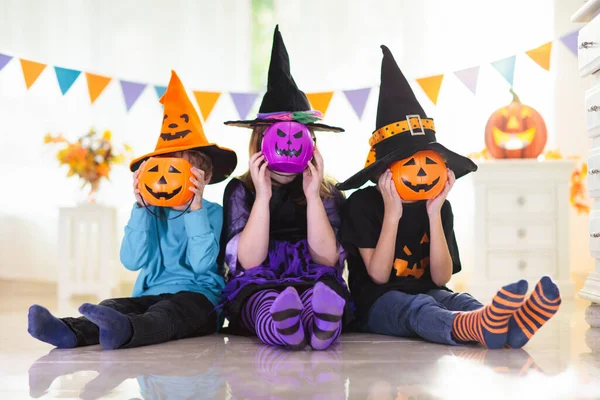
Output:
x=176 y=255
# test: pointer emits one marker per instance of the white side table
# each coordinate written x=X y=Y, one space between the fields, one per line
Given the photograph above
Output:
x=87 y=251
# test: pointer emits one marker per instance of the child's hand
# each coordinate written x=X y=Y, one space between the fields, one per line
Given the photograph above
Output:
x=435 y=205
x=313 y=176
x=136 y=180
x=261 y=176
x=391 y=199
x=199 y=182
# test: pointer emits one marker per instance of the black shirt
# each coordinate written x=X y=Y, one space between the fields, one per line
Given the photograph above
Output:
x=361 y=227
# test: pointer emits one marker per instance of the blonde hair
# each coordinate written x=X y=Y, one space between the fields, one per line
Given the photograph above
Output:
x=327 y=185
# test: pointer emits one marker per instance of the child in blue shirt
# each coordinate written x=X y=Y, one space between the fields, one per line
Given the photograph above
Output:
x=179 y=283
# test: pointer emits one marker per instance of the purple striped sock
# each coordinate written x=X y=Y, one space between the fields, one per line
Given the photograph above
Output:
x=322 y=315
x=276 y=318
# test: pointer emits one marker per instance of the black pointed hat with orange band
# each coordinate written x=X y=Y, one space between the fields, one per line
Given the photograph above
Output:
x=284 y=101
x=402 y=129
x=182 y=130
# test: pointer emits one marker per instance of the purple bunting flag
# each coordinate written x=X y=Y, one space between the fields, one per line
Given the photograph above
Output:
x=358 y=99
x=243 y=102
x=131 y=92
x=4 y=59
x=469 y=77
x=570 y=40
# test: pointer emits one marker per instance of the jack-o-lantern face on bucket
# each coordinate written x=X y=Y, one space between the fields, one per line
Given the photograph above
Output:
x=165 y=181
x=175 y=127
x=421 y=176
x=288 y=147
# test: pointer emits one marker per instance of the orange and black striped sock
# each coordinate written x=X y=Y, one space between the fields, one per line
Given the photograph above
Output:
x=489 y=325
x=541 y=305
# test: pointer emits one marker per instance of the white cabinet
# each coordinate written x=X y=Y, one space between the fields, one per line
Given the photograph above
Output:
x=521 y=224
x=589 y=64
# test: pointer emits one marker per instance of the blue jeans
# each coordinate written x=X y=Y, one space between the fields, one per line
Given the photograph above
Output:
x=428 y=316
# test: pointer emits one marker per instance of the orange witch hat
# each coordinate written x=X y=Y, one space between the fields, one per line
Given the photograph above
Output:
x=182 y=130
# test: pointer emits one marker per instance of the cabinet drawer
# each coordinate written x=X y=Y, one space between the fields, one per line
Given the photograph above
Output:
x=515 y=235
x=588 y=52
x=595 y=233
x=510 y=266
x=593 y=182
x=522 y=200
x=592 y=111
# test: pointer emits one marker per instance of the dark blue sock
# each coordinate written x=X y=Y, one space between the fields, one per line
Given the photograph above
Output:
x=45 y=327
x=115 y=328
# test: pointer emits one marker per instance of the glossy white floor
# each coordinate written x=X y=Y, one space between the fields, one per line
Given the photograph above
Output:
x=556 y=364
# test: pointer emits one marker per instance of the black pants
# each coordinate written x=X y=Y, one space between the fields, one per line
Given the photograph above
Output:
x=154 y=319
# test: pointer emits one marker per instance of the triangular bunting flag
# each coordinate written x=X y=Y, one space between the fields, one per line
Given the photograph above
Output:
x=320 y=101
x=66 y=77
x=541 y=55
x=131 y=92
x=469 y=77
x=4 y=59
x=243 y=102
x=506 y=68
x=96 y=85
x=431 y=86
x=31 y=71
x=206 y=102
x=160 y=90
x=358 y=99
x=570 y=40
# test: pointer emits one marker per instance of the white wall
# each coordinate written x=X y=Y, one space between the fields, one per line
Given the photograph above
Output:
x=333 y=45
x=139 y=40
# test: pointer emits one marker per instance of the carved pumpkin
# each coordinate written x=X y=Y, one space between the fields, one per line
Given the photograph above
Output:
x=421 y=176
x=288 y=147
x=515 y=131
x=165 y=181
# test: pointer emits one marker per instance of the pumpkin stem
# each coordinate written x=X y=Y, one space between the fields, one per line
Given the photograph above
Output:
x=515 y=97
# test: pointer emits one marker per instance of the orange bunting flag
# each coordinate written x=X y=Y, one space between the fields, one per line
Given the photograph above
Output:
x=31 y=71
x=320 y=101
x=541 y=55
x=206 y=102
x=431 y=86
x=96 y=85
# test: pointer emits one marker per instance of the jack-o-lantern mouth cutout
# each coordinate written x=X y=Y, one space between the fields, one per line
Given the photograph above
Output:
x=421 y=176
x=163 y=195
x=513 y=141
x=420 y=187
x=288 y=147
x=164 y=181
x=168 y=136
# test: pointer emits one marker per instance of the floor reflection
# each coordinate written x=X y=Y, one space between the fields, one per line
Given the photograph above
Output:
x=371 y=367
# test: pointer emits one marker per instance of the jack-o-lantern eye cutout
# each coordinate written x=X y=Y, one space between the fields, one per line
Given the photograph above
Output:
x=288 y=147
x=175 y=128
x=165 y=182
x=421 y=176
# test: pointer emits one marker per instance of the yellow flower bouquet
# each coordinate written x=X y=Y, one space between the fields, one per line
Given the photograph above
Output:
x=90 y=157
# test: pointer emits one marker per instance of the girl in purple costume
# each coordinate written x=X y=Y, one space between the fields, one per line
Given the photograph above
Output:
x=280 y=231
x=280 y=239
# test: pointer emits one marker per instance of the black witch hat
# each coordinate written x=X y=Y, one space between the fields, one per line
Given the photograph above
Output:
x=402 y=129
x=283 y=100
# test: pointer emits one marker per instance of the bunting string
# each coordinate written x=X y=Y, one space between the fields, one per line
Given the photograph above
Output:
x=245 y=101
